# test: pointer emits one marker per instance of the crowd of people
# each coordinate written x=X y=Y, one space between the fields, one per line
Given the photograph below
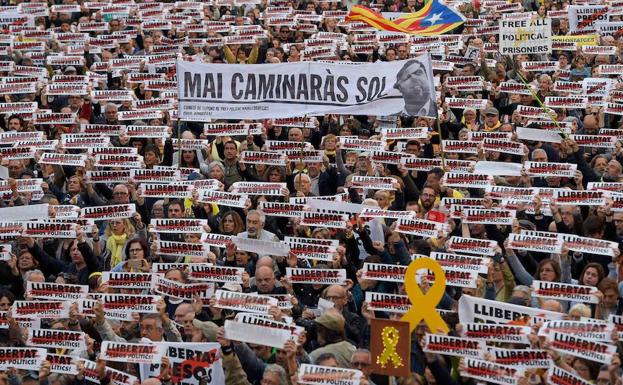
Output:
x=114 y=57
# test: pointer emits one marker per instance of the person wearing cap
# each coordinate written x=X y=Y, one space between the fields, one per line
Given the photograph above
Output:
x=492 y=120
x=331 y=336
x=417 y=90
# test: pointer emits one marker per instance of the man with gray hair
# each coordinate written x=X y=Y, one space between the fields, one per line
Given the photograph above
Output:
x=255 y=227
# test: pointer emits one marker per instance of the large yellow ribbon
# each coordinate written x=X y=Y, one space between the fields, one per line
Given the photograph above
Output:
x=390 y=337
x=423 y=305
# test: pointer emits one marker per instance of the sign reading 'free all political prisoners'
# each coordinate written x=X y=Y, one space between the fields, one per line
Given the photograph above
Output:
x=256 y=91
x=525 y=36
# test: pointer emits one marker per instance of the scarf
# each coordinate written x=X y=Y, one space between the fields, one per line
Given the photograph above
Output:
x=115 y=244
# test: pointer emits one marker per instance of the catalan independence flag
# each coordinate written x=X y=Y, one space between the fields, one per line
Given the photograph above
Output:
x=434 y=19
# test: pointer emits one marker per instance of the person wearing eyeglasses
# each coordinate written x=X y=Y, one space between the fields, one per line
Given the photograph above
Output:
x=362 y=360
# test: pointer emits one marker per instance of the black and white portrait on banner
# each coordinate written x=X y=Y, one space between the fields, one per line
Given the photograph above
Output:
x=415 y=83
x=283 y=90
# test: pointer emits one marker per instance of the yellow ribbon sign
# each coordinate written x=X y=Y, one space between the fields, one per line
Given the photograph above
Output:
x=423 y=305
x=390 y=337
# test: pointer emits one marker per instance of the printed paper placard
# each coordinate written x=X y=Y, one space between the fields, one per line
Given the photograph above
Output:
x=505 y=146
x=114 y=151
x=41 y=309
x=49 y=230
x=387 y=157
x=453 y=346
x=456 y=277
x=353 y=143
x=17 y=153
x=54 y=89
x=372 y=182
x=580 y=197
x=212 y=273
x=263 y=321
x=463 y=103
x=312 y=251
x=600 y=141
x=605 y=186
x=307 y=156
x=558 y=376
x=534 y=243
x=101 y=213
x=177 y=225
x=589 y=245
x=251 y=303
x=488 y=216
x=325 y=375
x=258 y=188
x=515 y=88
x=420 y=164
x=102 y=129
x=222 y=198
x=66 y=211
x=461 y=262
x=588 y=330
x=535 y=112
x=564 y=291
x=18 y=108
x=143 y=175
x=419 y=227
x=582 y=348
x=466 y=180
x=57 y=339
x=121 y=160
x=279 y=209
x=45 y=118
x=232 y=129
x=329 y=220
x=261 y=247
x=129 y=303
x=113 y=176
x=62 y=364
x=566 y=102
x=614 y=108
x=129 y=352
x=497 y=333
x=490 y=372
x=161 y=190
x=532 y=359
x=76 y=160
x=127 y=280
x=391 y=303
x=259 y=157
x=383 y=272
x=316 y=276
x=56 y=291
x=479 y=136
x=373 y=212
x=21 y=358
x=544 y=169
x=183 y=291
x=460 y=146
x=256 y=334
x=407 y=133
x=472 y=245
x=540 y=66
x=509 y=192
x=474 y=309
x=91 y=374
x=181 y=249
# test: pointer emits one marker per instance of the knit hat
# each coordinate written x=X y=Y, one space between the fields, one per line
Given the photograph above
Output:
x=332 y=320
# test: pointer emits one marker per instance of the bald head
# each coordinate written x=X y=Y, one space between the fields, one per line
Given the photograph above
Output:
x=552 y=305
x=338 y=295
x=264 y=261
x=265 y=279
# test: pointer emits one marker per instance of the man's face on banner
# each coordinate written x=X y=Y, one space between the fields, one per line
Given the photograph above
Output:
x=412 y=83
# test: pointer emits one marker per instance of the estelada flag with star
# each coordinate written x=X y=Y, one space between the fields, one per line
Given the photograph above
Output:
x=434 y=19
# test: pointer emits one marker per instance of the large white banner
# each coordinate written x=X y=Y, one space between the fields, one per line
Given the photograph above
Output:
x=262 y=91
x=527 y=36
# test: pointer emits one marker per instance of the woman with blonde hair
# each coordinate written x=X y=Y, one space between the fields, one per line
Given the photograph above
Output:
x=116 y=236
